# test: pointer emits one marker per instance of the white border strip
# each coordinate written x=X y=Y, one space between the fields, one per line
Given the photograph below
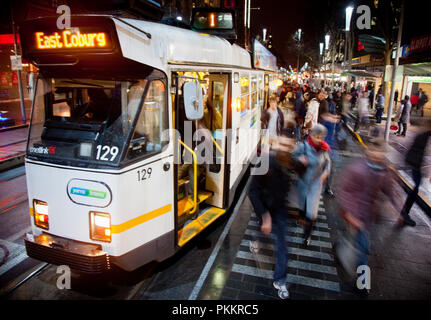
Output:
x=195 y=292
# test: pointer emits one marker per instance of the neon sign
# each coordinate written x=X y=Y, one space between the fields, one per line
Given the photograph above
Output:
x=69 y=40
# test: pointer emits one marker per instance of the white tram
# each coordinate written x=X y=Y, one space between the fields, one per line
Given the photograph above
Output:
x=103 y=184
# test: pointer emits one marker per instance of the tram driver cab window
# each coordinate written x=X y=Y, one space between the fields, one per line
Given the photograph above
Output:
x=151 y=122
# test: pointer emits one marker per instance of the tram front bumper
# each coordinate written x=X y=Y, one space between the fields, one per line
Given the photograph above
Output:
x=80 y=256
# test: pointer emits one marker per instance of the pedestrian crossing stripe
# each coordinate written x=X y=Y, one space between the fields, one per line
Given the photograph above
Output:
x=297 y=230
x=291 y=263
x=313 y=251
x=317 y=224
x=298 y=240
x=291 y=278
x=292 y=250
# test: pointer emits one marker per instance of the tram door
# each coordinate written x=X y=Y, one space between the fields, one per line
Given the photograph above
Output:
x=215 y=117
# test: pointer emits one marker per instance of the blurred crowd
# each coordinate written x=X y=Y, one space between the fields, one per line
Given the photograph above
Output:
x=303 y=133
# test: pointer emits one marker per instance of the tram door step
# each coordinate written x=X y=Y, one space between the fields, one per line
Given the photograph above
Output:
x=186 y=204
x=194 y=227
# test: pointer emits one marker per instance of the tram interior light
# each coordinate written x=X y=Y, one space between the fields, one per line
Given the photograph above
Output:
x=100 y=226
x=41 y=218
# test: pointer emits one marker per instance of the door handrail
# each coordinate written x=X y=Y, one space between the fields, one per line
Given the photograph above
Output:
x=195 y=176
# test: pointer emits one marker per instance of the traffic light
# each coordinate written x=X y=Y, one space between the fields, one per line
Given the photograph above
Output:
x=360 y=46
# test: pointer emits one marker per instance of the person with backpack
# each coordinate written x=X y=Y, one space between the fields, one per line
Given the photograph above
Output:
x=414 y=159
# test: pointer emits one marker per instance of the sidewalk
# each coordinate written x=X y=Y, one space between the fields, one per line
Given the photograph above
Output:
x=397 y=149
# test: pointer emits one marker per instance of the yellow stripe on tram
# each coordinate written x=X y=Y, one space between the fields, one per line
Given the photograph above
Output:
x=118 y=228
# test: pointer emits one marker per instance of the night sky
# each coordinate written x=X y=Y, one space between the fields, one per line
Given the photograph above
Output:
x=283 y=18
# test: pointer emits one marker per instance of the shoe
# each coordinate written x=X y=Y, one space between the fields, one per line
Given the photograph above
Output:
x=409 y=221
x=283 y=292
x=254 y=247
x=330 y=192
x=307 y=241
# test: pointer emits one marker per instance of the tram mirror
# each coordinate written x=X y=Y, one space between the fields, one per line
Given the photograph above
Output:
x=193 y=102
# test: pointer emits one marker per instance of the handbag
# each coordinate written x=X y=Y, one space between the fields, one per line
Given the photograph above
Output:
x=347 y=253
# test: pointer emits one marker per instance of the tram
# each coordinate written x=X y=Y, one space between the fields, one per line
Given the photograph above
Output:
x=114 y=103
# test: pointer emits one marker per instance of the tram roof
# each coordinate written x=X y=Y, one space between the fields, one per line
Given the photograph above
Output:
x=173 y=45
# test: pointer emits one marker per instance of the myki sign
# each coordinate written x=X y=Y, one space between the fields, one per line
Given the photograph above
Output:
x=89 y=193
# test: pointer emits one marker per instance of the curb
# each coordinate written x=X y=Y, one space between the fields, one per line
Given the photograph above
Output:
x=12 y=162
x=422 y=201
x=18 y=126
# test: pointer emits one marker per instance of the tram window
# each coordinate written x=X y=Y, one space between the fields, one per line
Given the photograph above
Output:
x=70 y=113
x=151 y=123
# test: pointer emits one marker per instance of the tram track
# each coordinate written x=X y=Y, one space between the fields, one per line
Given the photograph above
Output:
x=27 y=276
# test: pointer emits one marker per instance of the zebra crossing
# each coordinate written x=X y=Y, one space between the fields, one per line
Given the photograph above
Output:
x=312 y=266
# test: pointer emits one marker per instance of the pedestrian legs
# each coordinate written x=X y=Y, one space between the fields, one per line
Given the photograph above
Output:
x=404 y=129
x=411 y=198
x=281 y=254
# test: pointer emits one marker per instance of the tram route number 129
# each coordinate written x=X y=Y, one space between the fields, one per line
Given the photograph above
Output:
x=104 y=151
x=144 y=174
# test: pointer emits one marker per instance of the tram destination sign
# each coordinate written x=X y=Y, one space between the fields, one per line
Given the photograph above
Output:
x=71 y=39
x=68 y=39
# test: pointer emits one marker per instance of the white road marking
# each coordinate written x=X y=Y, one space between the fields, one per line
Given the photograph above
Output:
x=195 y=292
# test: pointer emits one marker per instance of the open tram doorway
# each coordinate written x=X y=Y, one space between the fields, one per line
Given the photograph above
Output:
x=195 y=213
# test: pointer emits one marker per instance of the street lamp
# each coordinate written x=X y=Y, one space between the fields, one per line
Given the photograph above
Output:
x=321 y=48
x=327 y=38
x=349 y=11
x=297 y=62
x=264 y=34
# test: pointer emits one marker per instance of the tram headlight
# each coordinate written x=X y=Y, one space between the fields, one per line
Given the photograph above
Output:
x=100 y=226
x=41 y=218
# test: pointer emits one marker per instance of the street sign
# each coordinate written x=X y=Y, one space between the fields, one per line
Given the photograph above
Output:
x=15 y=63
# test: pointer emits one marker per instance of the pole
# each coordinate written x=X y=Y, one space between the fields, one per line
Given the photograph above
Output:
x=297 y=67
x=394 y=71
x=21 y=93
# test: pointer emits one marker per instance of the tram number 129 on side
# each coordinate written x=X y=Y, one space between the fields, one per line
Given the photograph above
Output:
x=144 y=174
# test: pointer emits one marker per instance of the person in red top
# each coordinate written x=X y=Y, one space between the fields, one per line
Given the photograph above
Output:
x=414 y=101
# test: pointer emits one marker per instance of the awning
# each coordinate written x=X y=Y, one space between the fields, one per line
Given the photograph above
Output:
x=417 y=69
x=361 y=73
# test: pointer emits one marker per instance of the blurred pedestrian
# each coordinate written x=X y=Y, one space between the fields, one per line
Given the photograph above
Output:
x=380 y=107
x=414 y=159
x=403 y=116
x=267 y=194
x=313 y=154
x=414 y=101
x=363 y=112
x=312 y=114
x=300 y=112
x=396 y=100
x=358 y=193
x=423 y=99
x=272 y=120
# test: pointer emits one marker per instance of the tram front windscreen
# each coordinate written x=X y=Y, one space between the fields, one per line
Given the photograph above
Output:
x=89 y=122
